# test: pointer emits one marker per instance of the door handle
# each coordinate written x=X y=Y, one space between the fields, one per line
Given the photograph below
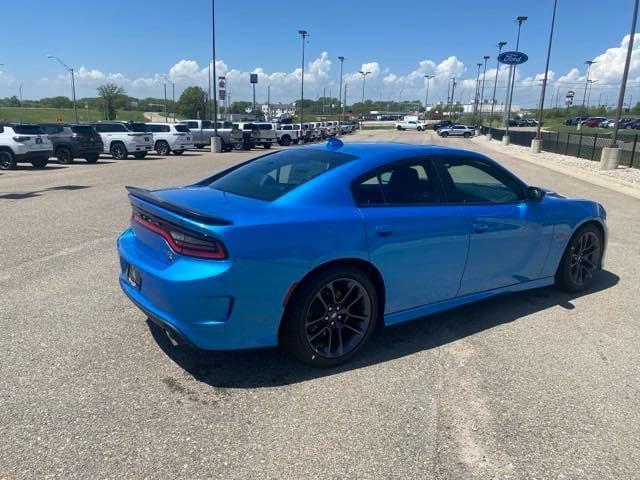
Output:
x=480 y=227
x=384 y=230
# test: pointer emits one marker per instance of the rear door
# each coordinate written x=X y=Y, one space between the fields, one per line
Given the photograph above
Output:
x=509 y=237
x=418 y=244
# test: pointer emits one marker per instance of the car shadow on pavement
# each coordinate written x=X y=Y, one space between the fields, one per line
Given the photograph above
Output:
x=274 y=367
x=37 y=193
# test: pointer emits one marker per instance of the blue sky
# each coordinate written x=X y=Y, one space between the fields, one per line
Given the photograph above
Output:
x=135 y=42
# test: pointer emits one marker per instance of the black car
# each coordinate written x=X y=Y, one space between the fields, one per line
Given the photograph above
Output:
x=574 y=120
x=71 y=141
x=442 y=124
x=626 y=122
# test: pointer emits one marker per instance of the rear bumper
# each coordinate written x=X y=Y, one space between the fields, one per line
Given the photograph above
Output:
x=212 y=305
x=82 y=152
x=33 y=155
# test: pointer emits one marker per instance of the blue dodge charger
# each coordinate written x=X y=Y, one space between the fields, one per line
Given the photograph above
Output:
x=314 y=247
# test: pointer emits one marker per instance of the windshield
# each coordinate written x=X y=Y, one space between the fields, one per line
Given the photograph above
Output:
x=271 y=176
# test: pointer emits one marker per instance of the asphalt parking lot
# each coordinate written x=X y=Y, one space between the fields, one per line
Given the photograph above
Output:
x=540 y=384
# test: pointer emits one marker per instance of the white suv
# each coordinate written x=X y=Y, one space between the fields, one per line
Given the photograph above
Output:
x=122 y=138
x=170 y=137
x=24 y=143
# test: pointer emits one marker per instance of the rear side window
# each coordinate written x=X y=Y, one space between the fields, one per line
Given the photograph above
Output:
x=110 y=127
x=192 y=124
x=207 y=124
x=28 y=129
x=182 y=128
x=271 y=176
x=138 y=127
x=409 y=183
x=82 y=129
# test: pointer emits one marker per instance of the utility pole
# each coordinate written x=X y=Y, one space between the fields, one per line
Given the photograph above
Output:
x=166 y=118
x=364 y=77
x=73 y=82
x=324 y=98
x=340 y=94
x=476 y=96
x=495 y=85
x=546 y=74
x=426 y=95
x=345 y=100
x=586 y=83
x=218 y=142
x=484 y=74
x=520 y=21
x=304 y=34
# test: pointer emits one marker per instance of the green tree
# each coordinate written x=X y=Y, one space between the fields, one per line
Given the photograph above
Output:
x=191 y=103
x=112 y=96
x=56 y=102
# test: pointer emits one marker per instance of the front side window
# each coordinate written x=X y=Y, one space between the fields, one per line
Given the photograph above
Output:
x=410 y=183
x=471 y=181
x=271 y=176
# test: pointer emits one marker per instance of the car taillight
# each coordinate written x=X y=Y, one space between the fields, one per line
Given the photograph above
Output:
x=21 y=138
x=185 y=242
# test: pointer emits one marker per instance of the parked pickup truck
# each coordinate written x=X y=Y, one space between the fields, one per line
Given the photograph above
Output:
x=410 y=125
x=202 y=131
x=287 y=134
x=257 y=133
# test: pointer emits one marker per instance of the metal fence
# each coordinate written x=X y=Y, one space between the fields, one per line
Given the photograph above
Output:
x=576 y=144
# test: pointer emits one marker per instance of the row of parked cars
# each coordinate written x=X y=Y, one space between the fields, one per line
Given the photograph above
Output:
x=36 y=143
x=603 y=122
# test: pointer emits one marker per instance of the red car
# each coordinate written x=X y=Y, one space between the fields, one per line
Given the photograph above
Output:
x=593 y=121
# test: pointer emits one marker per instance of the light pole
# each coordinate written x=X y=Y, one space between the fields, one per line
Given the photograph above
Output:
x=73 y=82
x=340 y=94
x=426 y=95
x=166 y=118
x=484 y=74
x=546 y=72
x=591 y=82
x=217 y=148
x=586 y=83
x=304 y=34
x=495 y=85
x=476 y=96
x=520 y=21
x=364 y=77
x=611 y=155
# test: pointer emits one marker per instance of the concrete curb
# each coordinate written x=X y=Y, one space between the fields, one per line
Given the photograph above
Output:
x=615 y=184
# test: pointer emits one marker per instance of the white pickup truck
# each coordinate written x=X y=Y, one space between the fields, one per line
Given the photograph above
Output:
x=202 y=131
x=260 y=133
x=410 y=125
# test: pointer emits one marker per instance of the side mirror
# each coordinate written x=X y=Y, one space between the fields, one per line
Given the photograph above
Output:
x=535 y=194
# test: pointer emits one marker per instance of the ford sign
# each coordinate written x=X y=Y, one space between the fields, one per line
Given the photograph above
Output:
x=512 y=58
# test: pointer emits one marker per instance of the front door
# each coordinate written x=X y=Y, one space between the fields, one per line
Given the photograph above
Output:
x=509 y=236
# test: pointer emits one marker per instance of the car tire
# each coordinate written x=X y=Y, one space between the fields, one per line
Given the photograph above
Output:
x=398 y=128
x=7 y=160
x=162 y=147
x=139 y=155
x=444 y=134
x=92 y=158
x=467 y=135
x=40 y=162
x=266 y=146
x=119 y=151
x=178 y=152
x=285 y=141
x=335 y=325
x=420 y=129
x=296 y=142
x=581 y=259
x=200 y=147
x=64 y=155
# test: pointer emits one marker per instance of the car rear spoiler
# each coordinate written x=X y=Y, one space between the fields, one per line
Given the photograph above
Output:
x=148 y=196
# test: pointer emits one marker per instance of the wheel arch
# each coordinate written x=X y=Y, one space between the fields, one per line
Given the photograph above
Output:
x=366 y=267
x=7 y=149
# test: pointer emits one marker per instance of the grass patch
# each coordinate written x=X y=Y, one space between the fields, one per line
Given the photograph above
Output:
x=46 y=115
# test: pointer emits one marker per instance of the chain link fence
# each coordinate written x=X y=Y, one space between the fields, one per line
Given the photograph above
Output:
x=575 y=144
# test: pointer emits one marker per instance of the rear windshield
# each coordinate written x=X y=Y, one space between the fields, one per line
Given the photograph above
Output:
x=182 y=128
x=271 y=176
x=83 y=129
x=138 y=127
x=28 y=129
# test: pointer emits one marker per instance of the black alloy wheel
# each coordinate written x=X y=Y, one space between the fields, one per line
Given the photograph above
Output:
x=64 y=156
x=7 y=161
x=119 y=151
x=162 y=147
x=581 y=260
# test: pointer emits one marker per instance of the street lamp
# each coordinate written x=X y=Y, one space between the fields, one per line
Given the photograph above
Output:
x=591 y=82
x=340 y=94
x=546 y=72
x=426 y=95
x=495 y=85
x=476 y=96
x=217 y=148
x=364 y=76
x=73 y=82
x=484 y=74
x=613 y=151
x=586 y=83
x=304 y=34
x=520 y=21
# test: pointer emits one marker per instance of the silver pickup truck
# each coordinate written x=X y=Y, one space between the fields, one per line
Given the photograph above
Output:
x=202 y=131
